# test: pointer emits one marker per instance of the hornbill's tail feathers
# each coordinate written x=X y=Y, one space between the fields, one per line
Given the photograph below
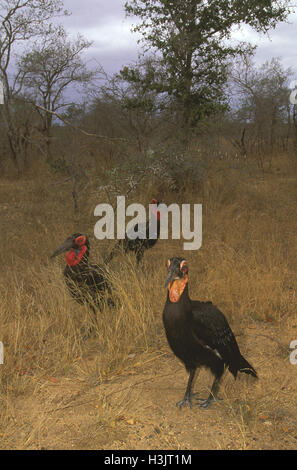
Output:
x=243 y=365
x=246 y=367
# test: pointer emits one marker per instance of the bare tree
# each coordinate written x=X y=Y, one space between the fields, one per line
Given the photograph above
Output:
x=20 y=21
x=48 y=70
x=263 y=103
x=137 y=107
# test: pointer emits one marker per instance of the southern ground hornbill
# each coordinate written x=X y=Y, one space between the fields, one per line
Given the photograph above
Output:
x=139 y=245
x=199 y=334
x=86 y=282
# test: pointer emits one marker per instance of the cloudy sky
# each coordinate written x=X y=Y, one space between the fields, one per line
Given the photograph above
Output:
x=105 y=23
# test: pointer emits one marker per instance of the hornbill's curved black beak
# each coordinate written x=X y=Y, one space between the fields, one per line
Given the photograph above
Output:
x=173 y=273
x=66 y=246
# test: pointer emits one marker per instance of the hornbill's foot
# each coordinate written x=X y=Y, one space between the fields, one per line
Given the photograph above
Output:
x=186 y=401
x=206 y=402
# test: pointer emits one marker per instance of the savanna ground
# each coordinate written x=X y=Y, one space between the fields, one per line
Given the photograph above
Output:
x=118 y=389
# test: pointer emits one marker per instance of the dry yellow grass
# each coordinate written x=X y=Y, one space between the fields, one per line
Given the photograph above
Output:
x=118 y=389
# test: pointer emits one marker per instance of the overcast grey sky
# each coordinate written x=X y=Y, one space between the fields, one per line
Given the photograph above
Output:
x=105 y=23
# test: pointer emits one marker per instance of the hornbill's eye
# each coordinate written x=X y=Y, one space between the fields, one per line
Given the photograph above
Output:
x=81 y=240
x=183 y=266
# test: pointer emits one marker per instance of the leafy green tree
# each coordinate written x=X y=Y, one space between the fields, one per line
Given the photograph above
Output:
x=190 y=38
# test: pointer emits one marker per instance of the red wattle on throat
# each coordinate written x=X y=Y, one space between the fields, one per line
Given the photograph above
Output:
x=73 y=257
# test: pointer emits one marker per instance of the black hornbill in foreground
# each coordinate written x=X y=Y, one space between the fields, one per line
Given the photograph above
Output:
x=199 y=334
x=139 y=245
x=85 y=281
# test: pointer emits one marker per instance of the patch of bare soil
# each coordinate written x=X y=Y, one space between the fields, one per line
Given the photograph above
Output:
x=136 y=409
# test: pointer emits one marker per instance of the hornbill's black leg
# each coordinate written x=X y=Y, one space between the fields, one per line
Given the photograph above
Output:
x=187 y=398
x=87 y=332
x=139 y=255
x=205 y=403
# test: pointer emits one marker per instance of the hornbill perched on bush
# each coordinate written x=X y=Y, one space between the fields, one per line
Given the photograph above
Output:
x=199 y=334
x=139 y=245
x=85 y=281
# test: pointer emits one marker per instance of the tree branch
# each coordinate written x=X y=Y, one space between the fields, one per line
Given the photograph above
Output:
x=68 y=123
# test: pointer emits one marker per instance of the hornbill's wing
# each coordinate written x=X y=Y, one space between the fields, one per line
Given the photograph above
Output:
x=211 y=328
x=128 y=244
x=97 y=277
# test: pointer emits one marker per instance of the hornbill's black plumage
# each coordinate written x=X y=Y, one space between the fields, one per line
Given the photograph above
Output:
x=199 y=334
x=150 y=234
x=86 y=282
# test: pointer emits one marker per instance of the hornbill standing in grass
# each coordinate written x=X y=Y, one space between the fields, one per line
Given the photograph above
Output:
x=86 y=282
x=150 y=233
x=199 y=334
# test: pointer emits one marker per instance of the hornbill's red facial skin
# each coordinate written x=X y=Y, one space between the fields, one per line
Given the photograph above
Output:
x=139 y=245
x=77 y=248
x=199 y=334
x=155 y=210
x=86 y=282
